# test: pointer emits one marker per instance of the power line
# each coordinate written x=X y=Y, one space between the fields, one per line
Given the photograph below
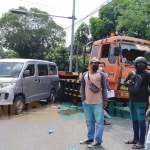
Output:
x=93 y=12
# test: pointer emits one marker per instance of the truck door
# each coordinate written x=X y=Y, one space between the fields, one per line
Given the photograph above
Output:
x=30 y=84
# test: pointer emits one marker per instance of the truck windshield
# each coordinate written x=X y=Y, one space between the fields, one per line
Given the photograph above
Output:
x=130 y=51
x=10 y=69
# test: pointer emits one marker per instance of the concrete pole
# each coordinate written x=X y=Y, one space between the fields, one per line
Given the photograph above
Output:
x=72 y=37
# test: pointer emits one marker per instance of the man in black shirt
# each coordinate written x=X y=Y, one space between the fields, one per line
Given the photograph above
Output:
x=138 y=103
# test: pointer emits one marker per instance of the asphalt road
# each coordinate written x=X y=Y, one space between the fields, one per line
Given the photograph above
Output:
x=29 y=131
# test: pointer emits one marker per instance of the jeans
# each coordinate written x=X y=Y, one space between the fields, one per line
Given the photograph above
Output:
x=138 y=111
x=94 y=115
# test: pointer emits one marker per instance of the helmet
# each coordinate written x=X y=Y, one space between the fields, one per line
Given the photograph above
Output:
x=140 y=59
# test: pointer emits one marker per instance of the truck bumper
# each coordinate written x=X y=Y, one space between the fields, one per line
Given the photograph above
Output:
x=122 y=94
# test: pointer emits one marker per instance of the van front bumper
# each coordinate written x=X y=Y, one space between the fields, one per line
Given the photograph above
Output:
x=7 y=95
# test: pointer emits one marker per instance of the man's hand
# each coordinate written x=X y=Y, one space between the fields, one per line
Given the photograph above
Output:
x=105 y=104
x=129 y=82
x=147 y=112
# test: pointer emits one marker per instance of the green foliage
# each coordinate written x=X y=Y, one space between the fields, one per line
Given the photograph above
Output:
x=82 y=36
x=3 y=54
x=23 y=33
x=12 y=54
x=60 y=56
x=134 y=21
x=105 y=23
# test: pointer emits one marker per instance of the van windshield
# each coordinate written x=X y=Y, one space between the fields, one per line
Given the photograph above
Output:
x=10 y=69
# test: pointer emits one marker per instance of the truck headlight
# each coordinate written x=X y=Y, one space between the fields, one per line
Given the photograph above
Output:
x=122 y=87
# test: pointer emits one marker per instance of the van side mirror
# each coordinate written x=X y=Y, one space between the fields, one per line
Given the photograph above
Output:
x=26 y=73
x=116 y=51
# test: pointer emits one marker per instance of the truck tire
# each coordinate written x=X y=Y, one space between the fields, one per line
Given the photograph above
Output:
x=18 y=104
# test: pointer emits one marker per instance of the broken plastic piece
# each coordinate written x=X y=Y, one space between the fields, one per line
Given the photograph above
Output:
x=50 y=131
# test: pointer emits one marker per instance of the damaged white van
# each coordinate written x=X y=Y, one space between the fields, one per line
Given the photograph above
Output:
x=27 y=80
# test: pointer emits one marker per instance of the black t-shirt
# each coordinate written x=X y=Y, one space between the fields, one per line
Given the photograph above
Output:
x=142 y=95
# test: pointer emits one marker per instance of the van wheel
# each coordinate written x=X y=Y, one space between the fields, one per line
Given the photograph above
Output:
x=52 y=97
x=18 y=104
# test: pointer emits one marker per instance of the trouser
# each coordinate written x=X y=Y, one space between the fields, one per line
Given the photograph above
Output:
x=94 y=115
x=138 y=111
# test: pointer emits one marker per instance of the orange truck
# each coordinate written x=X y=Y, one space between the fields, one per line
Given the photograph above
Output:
x=118 y=53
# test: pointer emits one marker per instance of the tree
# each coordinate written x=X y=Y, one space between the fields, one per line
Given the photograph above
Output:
x=12 y=54
x=60 y=56
x=134 y=20
x=105 y=23
x=82 y=37
x=23 y=33
x=82 y=34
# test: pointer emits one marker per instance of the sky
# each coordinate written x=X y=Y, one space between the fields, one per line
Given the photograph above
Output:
x=59 y=8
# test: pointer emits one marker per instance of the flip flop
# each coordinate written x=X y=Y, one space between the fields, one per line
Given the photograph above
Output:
x=138 y=146
x=131 y=142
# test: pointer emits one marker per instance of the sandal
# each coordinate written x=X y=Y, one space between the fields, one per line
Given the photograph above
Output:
x=131 y=142
x=138 y=146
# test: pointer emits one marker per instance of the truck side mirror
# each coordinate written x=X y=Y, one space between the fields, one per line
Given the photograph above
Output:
x=116 y=51
x=26 y=73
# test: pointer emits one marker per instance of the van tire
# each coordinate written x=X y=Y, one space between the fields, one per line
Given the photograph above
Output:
x=18 y=104
x=52 y=97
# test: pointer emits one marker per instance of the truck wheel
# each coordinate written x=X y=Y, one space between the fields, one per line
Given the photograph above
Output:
x=52 y=97
x=18 y=104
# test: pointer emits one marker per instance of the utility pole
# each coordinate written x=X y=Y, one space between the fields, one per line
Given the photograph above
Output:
x=72 y=37
x=42 y=47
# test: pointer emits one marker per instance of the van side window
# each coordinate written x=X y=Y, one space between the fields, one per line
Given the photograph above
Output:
x=52 y=70
x=42 y=70
x=31 y=68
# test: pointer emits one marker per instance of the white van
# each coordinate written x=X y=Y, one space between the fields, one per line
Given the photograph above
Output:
x=27 y=80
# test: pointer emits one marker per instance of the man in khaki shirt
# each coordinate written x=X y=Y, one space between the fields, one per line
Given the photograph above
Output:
x=93 y=104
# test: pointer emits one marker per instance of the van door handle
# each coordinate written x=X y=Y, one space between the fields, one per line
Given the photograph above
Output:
x=40 y=80
x=35 y=80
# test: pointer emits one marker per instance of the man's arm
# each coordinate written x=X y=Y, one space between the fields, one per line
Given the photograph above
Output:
x=83 y=87
x=104 y=87
x=126 y=82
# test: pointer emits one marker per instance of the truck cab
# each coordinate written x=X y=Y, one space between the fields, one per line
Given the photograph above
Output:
x=119 y=53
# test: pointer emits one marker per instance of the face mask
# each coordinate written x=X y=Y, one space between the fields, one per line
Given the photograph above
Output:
x=101 y=68
x=140 y=67
x=95 y=68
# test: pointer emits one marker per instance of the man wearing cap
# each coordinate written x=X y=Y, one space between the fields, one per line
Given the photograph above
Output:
x=93 y=103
